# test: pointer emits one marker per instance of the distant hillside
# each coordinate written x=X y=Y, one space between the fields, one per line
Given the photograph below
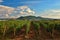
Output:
x=33 y=18
x=28 y=18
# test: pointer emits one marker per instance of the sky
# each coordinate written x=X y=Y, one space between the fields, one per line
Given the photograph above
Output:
x=37 y=5
x=44 y=8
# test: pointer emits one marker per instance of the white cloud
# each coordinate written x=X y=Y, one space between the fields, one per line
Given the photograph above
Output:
x=51 y=14
x=22 y=11
x=9 y=12
x=1 y=0
x=5 y=11
x=25 y=10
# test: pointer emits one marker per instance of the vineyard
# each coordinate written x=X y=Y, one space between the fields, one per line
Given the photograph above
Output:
x=30 y=30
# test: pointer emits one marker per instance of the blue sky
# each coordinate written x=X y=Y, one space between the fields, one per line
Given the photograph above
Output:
x=34 y=4
x=38 y=6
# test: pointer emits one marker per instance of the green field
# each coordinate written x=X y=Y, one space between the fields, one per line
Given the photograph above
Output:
x=29 y=30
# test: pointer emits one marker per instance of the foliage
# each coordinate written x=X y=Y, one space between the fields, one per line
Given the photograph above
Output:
x=14 y=25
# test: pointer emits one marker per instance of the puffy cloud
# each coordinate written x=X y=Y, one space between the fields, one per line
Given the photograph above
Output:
x=26 y=10
x=6 y=8
x=9 y=12
x=1 y=0
x=51 y=14
x=23 y=11
x=5 y=11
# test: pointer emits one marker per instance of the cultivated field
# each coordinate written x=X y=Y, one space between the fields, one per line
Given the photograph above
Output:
x=30 y=30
